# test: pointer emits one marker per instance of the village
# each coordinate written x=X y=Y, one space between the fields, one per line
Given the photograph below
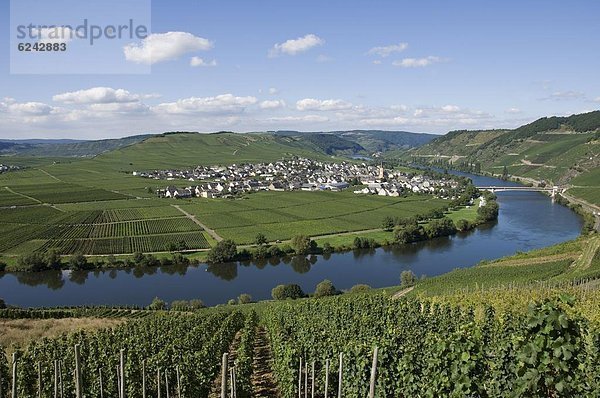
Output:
x=6 y=168
x=297 y=174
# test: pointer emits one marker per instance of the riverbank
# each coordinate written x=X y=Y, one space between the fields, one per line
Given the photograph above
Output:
x=527 y=221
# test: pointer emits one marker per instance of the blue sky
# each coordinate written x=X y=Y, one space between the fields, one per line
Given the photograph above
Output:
x=426 y=66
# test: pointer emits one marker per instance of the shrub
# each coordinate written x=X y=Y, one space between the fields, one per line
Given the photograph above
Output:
x=244 y=298
x=283 y=292
x=260 y=239
x=302 y=244
x=224 y=251
x=157 y=304
x=407 y=279
x=325 y=288
x=78 y=262
x=360 y=288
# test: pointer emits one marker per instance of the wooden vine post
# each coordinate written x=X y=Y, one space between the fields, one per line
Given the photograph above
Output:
x=326 y=377
x=312 y=378
x=122 y=373
x=78 y=391
x=340 y=377
x=158 y=382
x=143 y=378
x=55 y=378
x=39 y=371
x=300 y=379
x=224 y=376
x=373 y=374
x=100 y=381
x=14 y=375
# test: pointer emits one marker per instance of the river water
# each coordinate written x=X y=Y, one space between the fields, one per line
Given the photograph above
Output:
x=527 y=220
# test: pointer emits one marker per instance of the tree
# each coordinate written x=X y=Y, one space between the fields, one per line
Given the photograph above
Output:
x=2 y=303
x=283 y=292
x=489 y=212
x=260 y=239
x=180 y=305
x=360 y=288
x=223 y=252
x=409 y=233
x=302 y=244
x=78 y=262
x=388 y=223
x=325 y=288
x=505 y=173
x=32 y=262
x=407 y=279
x=138 y=257
x=231 y=302
x=244 y=298
x=196 y=304
x=53 y=260
x=327 y=248
x=440 y=227
x=463 y=225
x=157 y=304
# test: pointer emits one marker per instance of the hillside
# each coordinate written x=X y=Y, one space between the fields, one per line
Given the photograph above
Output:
x=558 y=150
x=177 y=150
x=364 y=141
x=65 y=148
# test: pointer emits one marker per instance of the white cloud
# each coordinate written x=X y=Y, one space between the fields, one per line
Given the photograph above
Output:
x=122 y=108
x=324 y=58
x=377 y=62
x=385 y=51
x=273 y=91
x=565 y=95
x=58 y=34
x=597 y=99
x=225 y=103
x=30 y=108
x=450 y=108
x=513 y=110
x=304 y=118
x=197 y=61
x=159 y=47
x=295 y=46
x=416 y=62
x=311 y=104
x=97 y=95
x=272 y=104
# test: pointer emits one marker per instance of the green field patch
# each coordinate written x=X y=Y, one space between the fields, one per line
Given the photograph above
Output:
x=591 y=195
x=8 y=198
x=66 y=193
x=120 y=245
x=477 y=278
x=28 y=215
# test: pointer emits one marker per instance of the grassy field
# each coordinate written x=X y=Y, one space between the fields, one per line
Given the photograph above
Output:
x=16 y=333
x=283 y=215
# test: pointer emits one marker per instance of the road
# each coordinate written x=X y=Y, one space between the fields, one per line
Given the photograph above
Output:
x=192 y=217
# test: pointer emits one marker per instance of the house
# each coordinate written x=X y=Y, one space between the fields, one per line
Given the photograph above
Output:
x=276 y=186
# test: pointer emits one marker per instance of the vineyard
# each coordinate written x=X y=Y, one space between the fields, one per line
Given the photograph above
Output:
x=106 y=231
x=283 y=215
x=327 y=346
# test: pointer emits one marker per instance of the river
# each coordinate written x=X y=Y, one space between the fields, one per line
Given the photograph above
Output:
x=527 y=220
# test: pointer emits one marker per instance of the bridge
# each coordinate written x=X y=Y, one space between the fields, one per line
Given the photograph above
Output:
x=553 y=190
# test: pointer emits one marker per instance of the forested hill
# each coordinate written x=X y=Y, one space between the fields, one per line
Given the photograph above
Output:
x=369 y=141
x=554 y=149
